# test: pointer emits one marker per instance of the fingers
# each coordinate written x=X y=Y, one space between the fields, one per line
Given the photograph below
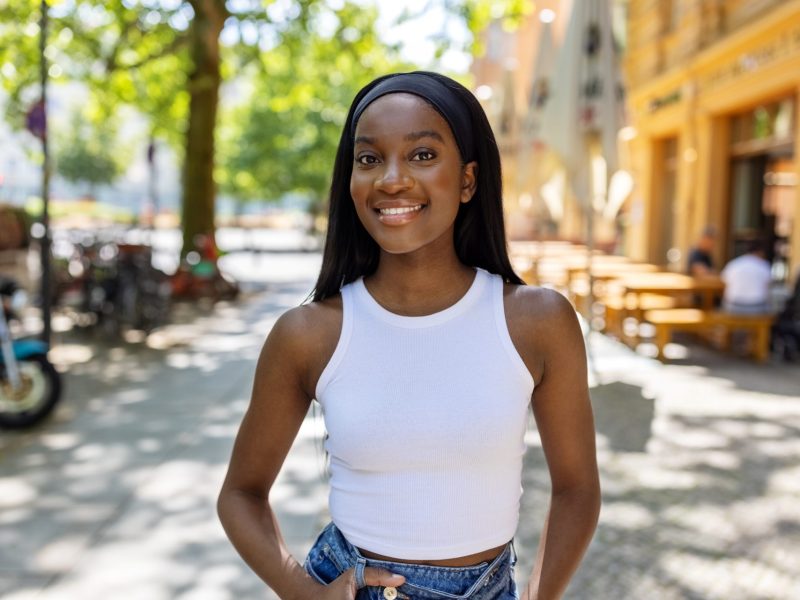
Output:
x=382 y=577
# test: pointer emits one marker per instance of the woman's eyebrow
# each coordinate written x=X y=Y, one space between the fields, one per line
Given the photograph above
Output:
x=417 y=135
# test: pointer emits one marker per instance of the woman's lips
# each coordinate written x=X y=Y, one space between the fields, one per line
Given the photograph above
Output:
x=399 y=215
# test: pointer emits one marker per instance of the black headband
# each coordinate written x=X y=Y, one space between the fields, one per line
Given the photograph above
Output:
x=444 y=100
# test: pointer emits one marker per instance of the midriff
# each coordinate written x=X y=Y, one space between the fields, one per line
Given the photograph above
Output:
x=461 y=561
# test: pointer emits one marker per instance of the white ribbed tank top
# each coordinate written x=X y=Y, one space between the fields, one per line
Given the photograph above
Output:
x=426 y=418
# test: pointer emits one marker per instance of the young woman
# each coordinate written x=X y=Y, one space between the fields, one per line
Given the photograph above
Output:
x=423 y=347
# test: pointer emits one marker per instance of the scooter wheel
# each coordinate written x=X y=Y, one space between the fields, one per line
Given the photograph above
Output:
x=36 y=397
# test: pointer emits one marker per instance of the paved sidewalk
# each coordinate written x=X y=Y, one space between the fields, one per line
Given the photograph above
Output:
x=700 y=467
x=115 y=497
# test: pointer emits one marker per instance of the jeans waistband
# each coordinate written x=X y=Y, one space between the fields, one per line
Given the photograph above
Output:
x=350 y=556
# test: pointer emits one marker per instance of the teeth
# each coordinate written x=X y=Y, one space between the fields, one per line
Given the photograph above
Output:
x=400 y=211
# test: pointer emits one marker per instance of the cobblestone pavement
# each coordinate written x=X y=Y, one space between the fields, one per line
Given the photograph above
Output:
x=700 y=466
x=114 y=498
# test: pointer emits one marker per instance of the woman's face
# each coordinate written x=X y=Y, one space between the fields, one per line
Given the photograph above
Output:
x=408 y=181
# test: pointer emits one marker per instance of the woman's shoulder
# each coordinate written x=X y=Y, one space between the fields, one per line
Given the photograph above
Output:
x=307 y=323
x=306 y=337
x=534 y=305
x=540 y=321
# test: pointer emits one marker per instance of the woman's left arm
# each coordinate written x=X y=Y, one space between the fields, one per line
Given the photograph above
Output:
x=563 y=415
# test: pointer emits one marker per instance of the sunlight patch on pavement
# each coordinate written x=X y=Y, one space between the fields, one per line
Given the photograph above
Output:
x=18 y=515
x=70 y=354
x=133 y=396
x=786 y=481
x=715 y=527
x=168 y=338
x=710 y=577
x=15 y=492
x=626 y=515
x=60 y=555
x=60 y=441
x=171 y=479
x=657 y=478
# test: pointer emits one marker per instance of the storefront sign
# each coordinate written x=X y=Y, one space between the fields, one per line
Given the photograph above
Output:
x=664 y=100
x=782 y=46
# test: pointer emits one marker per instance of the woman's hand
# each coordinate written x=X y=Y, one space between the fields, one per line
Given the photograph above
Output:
x=344 y=586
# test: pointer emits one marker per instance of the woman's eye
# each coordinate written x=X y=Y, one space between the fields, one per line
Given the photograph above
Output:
x=423 y=155
x=366 y=159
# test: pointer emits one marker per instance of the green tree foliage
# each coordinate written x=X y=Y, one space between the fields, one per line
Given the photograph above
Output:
x=475 y=14
x=165 y=58
x=283 y=137
x=88 y=153
x=19 y=57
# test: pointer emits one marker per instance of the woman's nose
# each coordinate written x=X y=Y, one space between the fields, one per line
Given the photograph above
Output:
x=394 y=179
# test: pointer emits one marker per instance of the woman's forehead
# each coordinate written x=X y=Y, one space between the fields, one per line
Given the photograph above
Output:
x=401 y=113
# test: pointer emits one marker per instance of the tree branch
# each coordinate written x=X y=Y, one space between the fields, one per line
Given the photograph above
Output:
x=177 y=42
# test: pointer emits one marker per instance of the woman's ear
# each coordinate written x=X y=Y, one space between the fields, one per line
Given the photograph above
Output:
x=469 y=181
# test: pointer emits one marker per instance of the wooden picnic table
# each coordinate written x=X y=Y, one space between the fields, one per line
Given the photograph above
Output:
x=708 y=287
x=606 y=270
x=543 y=248
x=543 y=262
x=554 y=269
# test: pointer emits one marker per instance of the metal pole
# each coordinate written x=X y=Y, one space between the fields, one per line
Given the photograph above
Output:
x=152 y=187
x=590 y=183
x=45 y=242
x=591 y=147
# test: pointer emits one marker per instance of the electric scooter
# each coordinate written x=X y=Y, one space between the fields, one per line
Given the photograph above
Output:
x=30 y=386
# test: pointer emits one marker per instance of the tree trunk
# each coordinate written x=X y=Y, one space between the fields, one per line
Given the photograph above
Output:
x=199 y=189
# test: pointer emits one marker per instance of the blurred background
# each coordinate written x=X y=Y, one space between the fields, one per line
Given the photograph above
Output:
x=164 y=167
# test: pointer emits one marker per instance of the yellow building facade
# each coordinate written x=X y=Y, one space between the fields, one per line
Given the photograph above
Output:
x=714 y=101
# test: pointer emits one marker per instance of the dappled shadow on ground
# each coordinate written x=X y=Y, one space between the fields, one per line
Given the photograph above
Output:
x=776 y=376
x=701 y=492
x=623 y=416
x=115 y=496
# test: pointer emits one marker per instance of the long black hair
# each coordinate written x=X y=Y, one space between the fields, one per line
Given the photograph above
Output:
x=480 y=241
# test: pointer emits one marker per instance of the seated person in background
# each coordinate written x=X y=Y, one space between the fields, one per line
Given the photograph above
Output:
x=700 y=260
x=747 y=279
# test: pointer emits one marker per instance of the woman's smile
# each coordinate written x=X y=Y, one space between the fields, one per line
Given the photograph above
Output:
x=399 y=215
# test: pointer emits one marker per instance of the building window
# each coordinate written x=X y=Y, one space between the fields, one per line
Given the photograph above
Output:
x=768 y=126
x=670 y=15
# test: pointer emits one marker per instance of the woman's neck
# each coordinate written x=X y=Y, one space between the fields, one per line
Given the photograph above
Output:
x=413 y=286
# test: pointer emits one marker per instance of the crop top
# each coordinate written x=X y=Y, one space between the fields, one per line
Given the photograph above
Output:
x=426 y=419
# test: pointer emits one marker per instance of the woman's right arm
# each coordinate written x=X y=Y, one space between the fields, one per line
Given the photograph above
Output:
x=278 y=405
x=282 y=391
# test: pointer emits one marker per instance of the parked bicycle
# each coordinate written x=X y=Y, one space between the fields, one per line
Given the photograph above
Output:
x=113 y=284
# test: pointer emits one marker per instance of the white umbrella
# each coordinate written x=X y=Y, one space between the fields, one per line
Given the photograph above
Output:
x=508 y=108
x=540 y=85
x=535 y=163
x=585 y=110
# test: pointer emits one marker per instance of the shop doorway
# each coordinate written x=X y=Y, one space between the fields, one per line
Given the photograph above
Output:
x=763 y=191
x=763 y=182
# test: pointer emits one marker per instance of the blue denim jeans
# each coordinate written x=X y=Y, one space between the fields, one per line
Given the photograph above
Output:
x=331 y=555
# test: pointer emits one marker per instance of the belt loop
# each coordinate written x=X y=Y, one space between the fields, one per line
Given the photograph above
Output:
x=361 y=564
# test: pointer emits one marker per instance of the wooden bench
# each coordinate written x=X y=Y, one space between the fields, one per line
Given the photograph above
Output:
x=693 y=319
x=618 y=307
